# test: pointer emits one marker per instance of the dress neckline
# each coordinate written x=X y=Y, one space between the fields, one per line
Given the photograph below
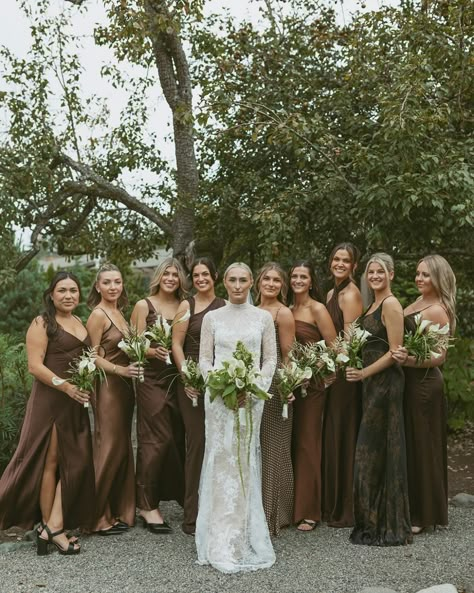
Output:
x=74 y=336
x=341 y=286
x=240 y=306
x=306 y=323
x=366 y=314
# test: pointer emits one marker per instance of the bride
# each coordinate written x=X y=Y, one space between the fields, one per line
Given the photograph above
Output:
x=231 y=530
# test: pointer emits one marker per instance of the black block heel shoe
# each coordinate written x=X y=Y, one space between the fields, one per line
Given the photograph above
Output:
x=42 y=544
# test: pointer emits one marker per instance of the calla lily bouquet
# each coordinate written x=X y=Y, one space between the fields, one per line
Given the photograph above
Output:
x=348 y=348
x=192 y=377
x=427 y=340
x=161 y=331
x=85 y=372
x=235 y=377
x=316 y=356
x=135 y=344
x=289 y=377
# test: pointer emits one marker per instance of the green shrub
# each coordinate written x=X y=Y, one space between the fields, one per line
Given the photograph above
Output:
x=15 y=386
x=458 y=374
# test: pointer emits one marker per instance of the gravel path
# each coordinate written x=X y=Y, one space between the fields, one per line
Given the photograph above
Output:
x=319 y=562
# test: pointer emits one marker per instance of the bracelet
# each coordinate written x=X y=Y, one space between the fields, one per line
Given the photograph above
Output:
x=114 y=370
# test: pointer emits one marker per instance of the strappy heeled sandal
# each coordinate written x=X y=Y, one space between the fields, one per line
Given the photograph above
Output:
x=72 y=538
x=42 y=544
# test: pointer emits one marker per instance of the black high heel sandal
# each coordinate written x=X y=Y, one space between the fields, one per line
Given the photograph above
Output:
x=72 y=538
x=42 y=544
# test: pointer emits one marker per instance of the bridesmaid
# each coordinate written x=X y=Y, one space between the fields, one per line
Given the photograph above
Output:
x=113 y=405
x=186 y=340
x=313 y=323
x=424 y=403
x=50 y=477
x=381 y=511
x=342 y=409
x=160 y=441
x=275 y=432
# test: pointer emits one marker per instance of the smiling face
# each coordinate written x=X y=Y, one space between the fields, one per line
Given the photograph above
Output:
x=202 y=279
x=65 y=295
x=238 y=282
x=110 y=286
x=270 y=284
x=377 y=277
x=423 y=280
x=300 y=280
x=341 y=265
x=170 y=280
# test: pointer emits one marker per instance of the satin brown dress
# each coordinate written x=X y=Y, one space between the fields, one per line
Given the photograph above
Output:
x=113 y=407
x=193 y=418
x=160 y=435
x=342 y=414
x=425 y=412
x=47 y=407
x=381 y=508
x=277 y=469
x=307 y=438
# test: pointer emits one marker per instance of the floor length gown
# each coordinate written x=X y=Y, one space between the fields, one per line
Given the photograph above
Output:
x=113 y=455
x=425 y=411
x=277 y=469
x=381 y=509
x=231 y=530
x=47 y=407
x=160 y=436
x=193 y=418
x=307 y=438
x=342 y=414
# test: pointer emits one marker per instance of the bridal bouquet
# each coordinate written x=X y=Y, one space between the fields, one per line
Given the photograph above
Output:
x=161 y=332
x=235 y=377
x=427 y=340
x=316 y=356
x=192 y=377
x=348 y=348
x=135 y=344
x=289 y=377
x=84 y=372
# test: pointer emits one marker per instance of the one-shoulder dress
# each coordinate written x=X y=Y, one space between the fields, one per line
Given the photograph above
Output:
x=193 y=418
x=160 y=437
x=307 y=438
x=113 y=455
x=425 y=411
x=277 y=469
x=47 y=407
x=340 y=428
x=381 y=509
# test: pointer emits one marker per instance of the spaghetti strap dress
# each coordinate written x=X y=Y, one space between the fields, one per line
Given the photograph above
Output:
x=47 y=407
x=342 y=414
x=160 y=437
x=307 y=438
x=381 y=508
x=425 y=411
x=277 y=469
x=193 y=418
x=113 y=406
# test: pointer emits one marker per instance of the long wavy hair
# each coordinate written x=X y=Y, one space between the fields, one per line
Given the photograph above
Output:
x=49 y=312
x=94 y=297
x=444 y=283
x=161 y=268
x=204 y=261
x=386 y=261
x=268 y=267
x=353 y=252
x=314 y=291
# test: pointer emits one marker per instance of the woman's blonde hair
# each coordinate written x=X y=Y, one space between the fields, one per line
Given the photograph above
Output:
x=94 y=296
x=386 y=262
x=268 y=267
x=444 y=284
x=238 y=264
x=161 y=268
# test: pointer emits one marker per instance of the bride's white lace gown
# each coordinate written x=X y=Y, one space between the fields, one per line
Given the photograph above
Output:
x=231 y=530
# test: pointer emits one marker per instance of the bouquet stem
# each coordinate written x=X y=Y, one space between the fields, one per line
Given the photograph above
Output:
x=243 y=416
x=284 y=413
x=195 y=402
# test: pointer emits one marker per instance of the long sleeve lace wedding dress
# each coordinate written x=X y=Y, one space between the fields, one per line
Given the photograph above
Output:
x=231 y=530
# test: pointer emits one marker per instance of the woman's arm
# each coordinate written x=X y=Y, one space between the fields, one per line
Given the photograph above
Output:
x=36 y=346
x=351 y=307
x=269 y=352
x=286 y=332
x=206 y=348
x=179 y=334
x=324 y=322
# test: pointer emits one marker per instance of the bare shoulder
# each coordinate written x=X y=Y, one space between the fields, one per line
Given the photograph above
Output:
x=285 y=314
x=436 y=313
x=351 y=294
x=183 y=307
x=141 y=305
x=391 y=304
x=37 y=326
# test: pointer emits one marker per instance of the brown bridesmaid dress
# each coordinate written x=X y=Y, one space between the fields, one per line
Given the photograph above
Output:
x=341 y=424
x=47 y=407
x=113 y=454
x=160 y=439
x=307 y=437
x=193 y=418
x=425 y=412
x=277 y=469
